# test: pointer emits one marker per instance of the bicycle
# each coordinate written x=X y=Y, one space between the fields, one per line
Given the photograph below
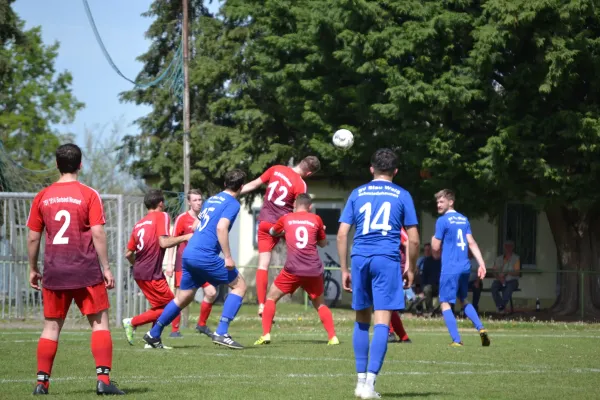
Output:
x=332 y=287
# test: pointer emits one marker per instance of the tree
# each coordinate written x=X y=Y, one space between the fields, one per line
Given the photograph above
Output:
x=495 y=99
x=34 y=98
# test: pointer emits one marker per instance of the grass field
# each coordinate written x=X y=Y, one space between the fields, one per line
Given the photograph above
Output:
x=527 y=360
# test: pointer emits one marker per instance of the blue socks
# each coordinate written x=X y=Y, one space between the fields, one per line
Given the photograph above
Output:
x=360 y=343
x=471 y=313
x=232 y=305
x=378 y=348
x=170 y=312
x=451 y=325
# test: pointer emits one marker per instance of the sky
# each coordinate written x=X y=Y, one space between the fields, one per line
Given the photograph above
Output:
x=95 y=83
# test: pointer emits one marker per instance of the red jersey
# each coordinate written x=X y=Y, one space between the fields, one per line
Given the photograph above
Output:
x=68 y=210
x=144 y=242
x=302 y=232
x=283 y=186
x=184 y=224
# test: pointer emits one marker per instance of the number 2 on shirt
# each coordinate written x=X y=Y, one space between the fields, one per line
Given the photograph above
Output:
x=381 y=220
x=460 y=241
x=282 y=189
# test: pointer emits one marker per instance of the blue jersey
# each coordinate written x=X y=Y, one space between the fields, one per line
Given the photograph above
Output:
x=204 y=242
x=452 y=229
x=379 y=209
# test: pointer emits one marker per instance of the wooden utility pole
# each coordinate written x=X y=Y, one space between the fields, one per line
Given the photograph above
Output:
x=186 y=122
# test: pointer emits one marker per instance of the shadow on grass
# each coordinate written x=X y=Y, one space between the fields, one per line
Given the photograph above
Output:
x=409 y=394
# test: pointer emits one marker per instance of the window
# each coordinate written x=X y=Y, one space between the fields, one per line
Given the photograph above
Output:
x=330 y=214
x=519 y=224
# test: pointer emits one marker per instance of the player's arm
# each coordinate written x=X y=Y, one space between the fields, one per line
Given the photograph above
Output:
x=477 y=254
x=99 y=239
x=130 y=256
x=166 y=242
x=33 y=250
x=436 y=240
x=252 y=186
x=342 y=248
x=172 y=252
x=277 y=229
x=321 y=235
x=223 y=237
x=412 y=252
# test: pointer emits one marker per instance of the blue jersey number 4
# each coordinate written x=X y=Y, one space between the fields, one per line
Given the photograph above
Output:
x=381 y=220
x=460 y=241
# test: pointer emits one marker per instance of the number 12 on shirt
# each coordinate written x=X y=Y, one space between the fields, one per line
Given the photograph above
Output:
x=381 y=220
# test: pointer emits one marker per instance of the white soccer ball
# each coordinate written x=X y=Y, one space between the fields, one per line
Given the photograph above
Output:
x=343 y=139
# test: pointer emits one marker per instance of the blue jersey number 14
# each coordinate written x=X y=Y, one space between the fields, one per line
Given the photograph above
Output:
x=381 y=220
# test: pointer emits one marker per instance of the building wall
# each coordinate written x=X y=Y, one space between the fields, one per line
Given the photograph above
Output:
x=540 y=284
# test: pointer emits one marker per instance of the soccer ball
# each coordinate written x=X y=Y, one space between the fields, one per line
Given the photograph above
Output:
x=343 y=139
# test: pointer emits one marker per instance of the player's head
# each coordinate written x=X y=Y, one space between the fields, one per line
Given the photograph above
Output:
x=194 y=199
x=68 y=158
x=384 y=163
x=303 y=202
x=309 y=166
x=234 y=180
x=427 y=249
x=445 y=200
x=154 y=200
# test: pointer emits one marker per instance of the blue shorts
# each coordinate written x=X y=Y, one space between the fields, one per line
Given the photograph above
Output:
x=197 y=272
x=377 y=282
x=453 y=286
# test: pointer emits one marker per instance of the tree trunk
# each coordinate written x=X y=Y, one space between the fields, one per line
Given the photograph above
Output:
x=577 y=238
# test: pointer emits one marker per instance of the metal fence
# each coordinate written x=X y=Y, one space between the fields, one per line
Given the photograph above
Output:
x=19 y=301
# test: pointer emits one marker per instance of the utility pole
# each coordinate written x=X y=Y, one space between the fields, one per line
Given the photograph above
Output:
x=186 y=123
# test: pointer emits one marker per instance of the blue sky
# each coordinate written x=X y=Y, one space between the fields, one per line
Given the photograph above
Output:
x=94 y=82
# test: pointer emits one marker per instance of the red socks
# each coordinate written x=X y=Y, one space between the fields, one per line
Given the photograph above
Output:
x=46 y=351
x=102 y=351
x=205 y=309
x=147 y=317
x=327 y=320
x=398 y=327
x=267 y=317
x=262 y=281
x=175 y=323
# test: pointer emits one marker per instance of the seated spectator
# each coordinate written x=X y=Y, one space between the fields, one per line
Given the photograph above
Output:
x=432 y=269
x=506 y=273
x=475 y=284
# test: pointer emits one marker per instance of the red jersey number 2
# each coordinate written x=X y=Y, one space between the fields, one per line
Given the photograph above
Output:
x=59 y=238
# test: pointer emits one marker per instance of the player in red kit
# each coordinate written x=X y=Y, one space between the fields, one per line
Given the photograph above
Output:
x=145 y=252
x=184 y=224
x=303 y=231
x=75 y=266
x=396 y=325
x=284 y=184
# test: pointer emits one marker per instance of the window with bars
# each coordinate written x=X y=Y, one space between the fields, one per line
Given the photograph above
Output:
x=519 y=224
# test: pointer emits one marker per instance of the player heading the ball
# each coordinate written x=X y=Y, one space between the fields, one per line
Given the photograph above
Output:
x=75 y=266
x=284 y=184
x=201 y=263
x=379 y=210
x=453 y=238
x=303 y=231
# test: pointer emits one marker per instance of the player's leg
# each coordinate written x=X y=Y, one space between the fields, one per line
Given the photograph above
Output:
x=93 y=303
x=398 y=326
x=388 y=295
x=362 y=302
x=469 y=310
x=159 y=295
x=210 y=295
x=56 y=306
x=191 y=280
x=315 y=288
x=448 y=292
x=279 y=288
x=266 y=244
x=232 y=304
x=175 y=333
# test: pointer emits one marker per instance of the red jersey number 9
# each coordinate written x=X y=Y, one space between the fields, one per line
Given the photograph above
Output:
x=301 y=237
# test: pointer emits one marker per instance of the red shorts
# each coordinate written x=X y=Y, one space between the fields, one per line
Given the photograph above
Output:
x=266 y=242
x=178 y=279
x=157 y=292
x=90 y=300
x=288 y=283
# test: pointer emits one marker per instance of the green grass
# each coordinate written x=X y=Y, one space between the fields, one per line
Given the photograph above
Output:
x=527 y=360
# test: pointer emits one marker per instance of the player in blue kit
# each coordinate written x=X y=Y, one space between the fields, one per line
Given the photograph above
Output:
x=379 y=210
x=201 y=263
x=454 y=239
